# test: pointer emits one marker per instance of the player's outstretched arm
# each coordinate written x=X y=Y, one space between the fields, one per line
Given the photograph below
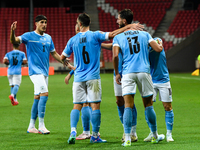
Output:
x=134 y=26
x=13 y=38
x=156 y=45
x=56 y=56
x=107 y=46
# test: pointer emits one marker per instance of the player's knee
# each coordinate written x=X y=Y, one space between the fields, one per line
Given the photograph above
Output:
x=78 y=106
x=37 y=97
x=167 y=106
x=95 y=106
x=44 y=94
x=85 y=104
x=119 y=100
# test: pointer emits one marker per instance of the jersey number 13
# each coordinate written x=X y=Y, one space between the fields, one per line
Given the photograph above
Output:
x=136 y=45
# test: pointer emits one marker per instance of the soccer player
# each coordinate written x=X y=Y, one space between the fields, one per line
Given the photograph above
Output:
x=86 y=46
x=86 y=109
x=124 y=18
x=161 y=84
x=15 y=59
x=133 y=45
x=39 y=45
x=85 y=115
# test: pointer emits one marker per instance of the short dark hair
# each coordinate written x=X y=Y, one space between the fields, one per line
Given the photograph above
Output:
x=84 y=19
x=126 y=14
x=40 y=17
x=16 y=45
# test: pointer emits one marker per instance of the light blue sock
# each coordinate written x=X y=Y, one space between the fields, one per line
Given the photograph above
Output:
x=96 y=120
x=120 y=112
x=151 y=116
x=11 y=88
x=127 y=119
x=15 y=89
x=169 y=119
x=90 y=110
x=85 y=116
x=42 y=106
x=149 y=125
x=134 y=111
x=34 y=110
x=74 y=117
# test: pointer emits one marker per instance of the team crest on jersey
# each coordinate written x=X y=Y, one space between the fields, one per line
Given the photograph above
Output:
x=101 y=32
x=43 y=39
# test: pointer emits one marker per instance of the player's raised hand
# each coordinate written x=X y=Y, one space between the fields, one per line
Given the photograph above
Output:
x=159 y=42
x=137 y=26
x=14 y=26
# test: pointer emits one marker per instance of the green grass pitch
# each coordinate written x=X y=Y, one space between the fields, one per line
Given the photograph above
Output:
x=14 y=120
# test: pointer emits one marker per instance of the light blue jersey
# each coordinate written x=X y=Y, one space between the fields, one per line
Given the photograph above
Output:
x=38 y=48
x=86 y=47
x=158 y=65
x=134 y=48
x=15 y=58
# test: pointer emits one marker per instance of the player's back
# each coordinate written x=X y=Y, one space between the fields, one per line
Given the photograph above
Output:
x=87 y=48
x=15 y=58
x=158 y=65
x=134 y=49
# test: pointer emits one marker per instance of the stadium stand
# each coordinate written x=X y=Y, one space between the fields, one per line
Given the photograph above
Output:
x=144 y=11
x=61 y=22
x=8 y=16
x=184 y=24
x=60 y=26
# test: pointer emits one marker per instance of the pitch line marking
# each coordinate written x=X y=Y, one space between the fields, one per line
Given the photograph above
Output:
x=189 y=78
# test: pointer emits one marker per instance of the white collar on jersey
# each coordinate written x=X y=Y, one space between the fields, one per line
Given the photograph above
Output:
x=84 y=32
x=39 y=34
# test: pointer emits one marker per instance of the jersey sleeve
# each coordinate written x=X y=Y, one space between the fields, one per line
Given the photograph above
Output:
x=101 y=36
x=52 y=47
x=6 y=56
x=68 y=49
x=115 y=41
x=24 y=56
x=24 y=38
x=149 y=37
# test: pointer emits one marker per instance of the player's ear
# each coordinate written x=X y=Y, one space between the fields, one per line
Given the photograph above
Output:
x=35 y=23
x=80 y=24
x=124 y=21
